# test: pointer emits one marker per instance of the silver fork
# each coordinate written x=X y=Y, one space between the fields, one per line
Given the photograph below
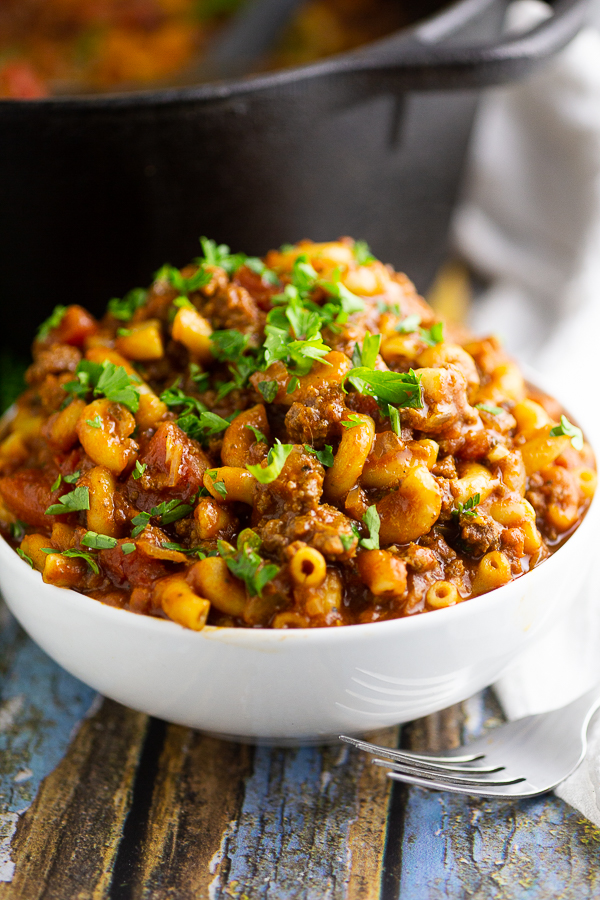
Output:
x=519 y=759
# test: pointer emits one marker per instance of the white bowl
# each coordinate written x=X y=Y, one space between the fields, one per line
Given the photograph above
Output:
x=303 y=685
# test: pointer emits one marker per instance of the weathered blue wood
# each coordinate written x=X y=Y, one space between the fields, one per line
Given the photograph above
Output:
x=40 y=707
x=455 y=847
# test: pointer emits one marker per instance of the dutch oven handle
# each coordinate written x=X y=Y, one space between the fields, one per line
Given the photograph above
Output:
x=438 y=66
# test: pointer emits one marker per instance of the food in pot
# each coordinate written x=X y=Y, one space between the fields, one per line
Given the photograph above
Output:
x=69 y=46
x=285 y=442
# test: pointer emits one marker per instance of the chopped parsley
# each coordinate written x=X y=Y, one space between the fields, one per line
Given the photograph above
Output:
x=127 y=548
x=245 y=563
x=325 y=456
x=409 y=324
x=268 y=389
x=167 y=512
x=71 y=479
x=569 y=430
x=139 y=470
x=367 y=356
x=96 y=422
x=293 y=385
x=56 y=484
x=347 y=540
x=489 y=408
x=96 y=541
x=17 y=530
x=275 y=463
x=469 y=508
x=228 y=344
x=76 y=500
x=362 y=253
x=373 y=523
x=220 y=255
x=258 y=435
x=105 y=379
x=395 y=420
x=203 y=426
x=174 y=397
x=433 y=335
x=219 y=486
x=76 y=554
x=52 y=322
x=24 y=556
x=124 y=309
x=352 y=420
x=399 y=388
x=182 y=284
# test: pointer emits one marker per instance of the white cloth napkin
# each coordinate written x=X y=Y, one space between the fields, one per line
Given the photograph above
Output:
x=530 y=223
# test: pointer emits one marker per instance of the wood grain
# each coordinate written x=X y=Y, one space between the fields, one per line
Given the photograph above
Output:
x=65 y=844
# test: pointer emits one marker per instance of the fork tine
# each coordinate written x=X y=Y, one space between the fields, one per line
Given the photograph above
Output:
x=434 y=768
x=409 y=755
x=448 y=777
x=516 y=789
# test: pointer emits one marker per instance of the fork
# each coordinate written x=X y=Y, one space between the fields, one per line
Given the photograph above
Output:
x=519 y=759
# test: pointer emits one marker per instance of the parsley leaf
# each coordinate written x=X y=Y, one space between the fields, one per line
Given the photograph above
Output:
x=182 y=284
x=76 y=500
x=489 y=408
x=105 y=379
x=127 y=548
x=57 y=483
x=96 y=541
x=52 y=322
x=258 y=435
x=140 y=468
x=169 y=511
x=228 y=344
x=395 y=420
x=347 y=540
x=246 y=564
x=201 y=427
x=352 y=420
x=292 y=385
x=275 y=463
x=17 y=530
x=24 y=556
x=174 y=397
x=362 y=253
x=399 y=388
x=257 y=266
x=76 y=554
x=125 y=308
x=325 y=456
x=71 y=479
x=96 y=422
x=570 y=430
x=373 y=523
x=469 y=507
x=433 y=335
x=409 y=324
x=268 y=389
x=370 y=350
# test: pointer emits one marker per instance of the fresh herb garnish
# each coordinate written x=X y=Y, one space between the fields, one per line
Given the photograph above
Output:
x=139 y=470
x=105 y=379
x=569 y=430
x=246 y=564
x=433 y=335
x=275 y=463
x=229 y=344
x=362 y=253
x=24 y=556
x=71 y=479
x=127 y=548
x=184 y=286
x=292 y=385
x=96 y=541
x=169 y=511
x=489 y=408
x=268 y=389
x=124 y=309
x=469 y=508
x=399 y=388
x=96 y=422
x=76 y=500
x=325 y=456
x=352 y=420
x=52 y=322
x=17 y=530
x=395 y=420
x=373 y=523
x=258 y=435
x=57 y=483
x=347 y=540
x=203 y=426
x=367 y=356
x=76 y=554
x=409 y=324
x=174 y=397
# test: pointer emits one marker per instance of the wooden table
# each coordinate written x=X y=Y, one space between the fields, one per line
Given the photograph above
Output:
x=98 y=801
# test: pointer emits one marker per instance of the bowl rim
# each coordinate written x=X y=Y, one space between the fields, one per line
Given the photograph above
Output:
x=429 y=29
x=431 y=619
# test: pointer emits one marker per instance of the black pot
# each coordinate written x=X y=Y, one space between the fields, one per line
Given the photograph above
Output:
x=96 y=192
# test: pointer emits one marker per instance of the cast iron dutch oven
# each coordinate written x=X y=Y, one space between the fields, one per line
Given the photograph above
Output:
x=96 y=192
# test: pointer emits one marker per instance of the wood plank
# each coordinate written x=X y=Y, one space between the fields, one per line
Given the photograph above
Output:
x=40 y=707
x=66 y=843
x=453 y=847
x=312 y=825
